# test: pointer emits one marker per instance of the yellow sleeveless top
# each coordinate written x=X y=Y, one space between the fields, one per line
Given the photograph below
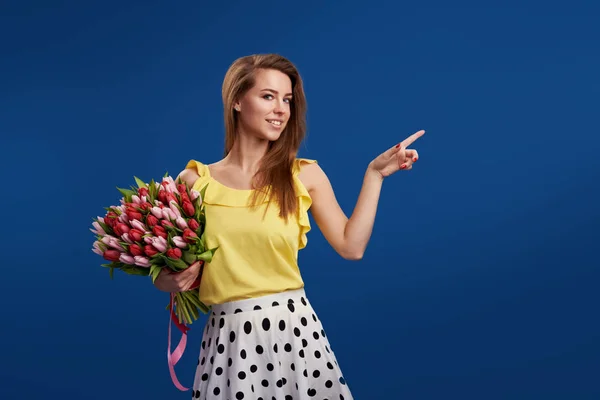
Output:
x=257 y=256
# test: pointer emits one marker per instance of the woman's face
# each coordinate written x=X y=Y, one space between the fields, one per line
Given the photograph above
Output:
x=265 y=109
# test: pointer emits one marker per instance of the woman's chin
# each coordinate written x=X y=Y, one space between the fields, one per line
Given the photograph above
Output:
x=270 y=136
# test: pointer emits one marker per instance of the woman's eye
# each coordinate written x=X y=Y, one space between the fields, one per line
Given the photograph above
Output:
x=270 y=97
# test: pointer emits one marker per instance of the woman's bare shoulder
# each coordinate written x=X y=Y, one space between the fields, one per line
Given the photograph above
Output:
x=310 y=174
x=188 y=176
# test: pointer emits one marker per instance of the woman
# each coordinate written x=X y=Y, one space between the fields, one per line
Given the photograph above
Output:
x=262 y=339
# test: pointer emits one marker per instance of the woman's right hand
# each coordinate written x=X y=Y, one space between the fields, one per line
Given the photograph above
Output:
x=169 y=281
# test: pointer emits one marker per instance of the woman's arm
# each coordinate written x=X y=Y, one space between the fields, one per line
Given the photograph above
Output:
x=349 y=236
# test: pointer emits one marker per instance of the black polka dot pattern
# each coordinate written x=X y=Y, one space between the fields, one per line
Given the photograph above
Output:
x=271 y=347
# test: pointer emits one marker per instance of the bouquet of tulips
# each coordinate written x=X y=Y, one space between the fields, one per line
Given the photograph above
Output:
x=157 y=225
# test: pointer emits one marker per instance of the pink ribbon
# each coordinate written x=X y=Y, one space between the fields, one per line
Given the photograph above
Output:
x=173 y=359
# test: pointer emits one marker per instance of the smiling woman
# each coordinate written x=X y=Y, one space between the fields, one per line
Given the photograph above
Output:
x=263 y=104
x=263 y=339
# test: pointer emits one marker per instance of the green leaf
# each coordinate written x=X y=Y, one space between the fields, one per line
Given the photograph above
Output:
x=178 y=264
x=207 y=255
x=111 y=273
x=127 y=193
x=154 y=271
x=135 y=270
x=166 y=174
x=105 y=227
x=203 y=190
x=170 y=228
x=140 y=183
x=189 y=257
x=152 y=191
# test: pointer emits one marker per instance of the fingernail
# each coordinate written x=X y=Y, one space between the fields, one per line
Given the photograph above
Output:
x=415 y=159
x=398 y=145
x=403 y=166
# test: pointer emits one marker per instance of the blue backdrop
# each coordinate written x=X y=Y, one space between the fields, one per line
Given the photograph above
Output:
x=480 y=281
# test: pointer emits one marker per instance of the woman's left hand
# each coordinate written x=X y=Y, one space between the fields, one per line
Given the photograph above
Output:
x=399 y=157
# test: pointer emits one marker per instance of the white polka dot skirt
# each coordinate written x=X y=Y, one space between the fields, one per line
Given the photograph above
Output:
x=268 y=348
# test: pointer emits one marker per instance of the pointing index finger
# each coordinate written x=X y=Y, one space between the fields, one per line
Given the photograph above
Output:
x=412 y=138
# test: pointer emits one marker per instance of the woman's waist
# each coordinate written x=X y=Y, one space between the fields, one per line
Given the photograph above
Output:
x=290 y=298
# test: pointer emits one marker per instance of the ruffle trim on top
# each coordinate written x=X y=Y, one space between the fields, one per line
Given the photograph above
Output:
x=219 y=194
x=304 y=201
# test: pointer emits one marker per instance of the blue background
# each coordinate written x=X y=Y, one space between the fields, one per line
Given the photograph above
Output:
x=481 y=277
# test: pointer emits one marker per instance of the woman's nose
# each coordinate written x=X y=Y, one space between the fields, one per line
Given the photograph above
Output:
x=279 y=107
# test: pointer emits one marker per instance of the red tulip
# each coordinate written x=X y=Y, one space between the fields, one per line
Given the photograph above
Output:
x=121 y=228
x=188 y=235
x=143 y=191
x=193 y=224
x=136 y=235
x=151 y=220
x=111 y=219
x=112 y=255
x=133 y=214
x=185 y=197
x=165 y=222
x=181 y=188
x=159 y=231
x=174 y=253
x=188 y=208
x=150 y=250
x=136 y=250
x=145 y=206
x=162 y=196
x=171 y=197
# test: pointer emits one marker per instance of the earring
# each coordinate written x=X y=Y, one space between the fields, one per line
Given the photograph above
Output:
x=237 y=108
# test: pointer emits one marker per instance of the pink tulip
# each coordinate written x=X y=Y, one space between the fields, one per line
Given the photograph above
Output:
x=181 y=223
x=174 y=208
x=136 y=199
x=127 y=259
x=169 y=184
x=179 y=242
x=194 y=194
x=139 y=225
x=159 y=243
x=148 y=239
x=97 y=229
x=123 y=218
x=169 y=214
x=111 y=241
x=126 y=238
x=114 y=243
x=97 y=249
x=142 y=261
x=157 y=212
x=101 y=219
x=106 y=239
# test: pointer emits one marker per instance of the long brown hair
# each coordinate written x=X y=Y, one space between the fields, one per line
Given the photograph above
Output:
x=275 y=171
